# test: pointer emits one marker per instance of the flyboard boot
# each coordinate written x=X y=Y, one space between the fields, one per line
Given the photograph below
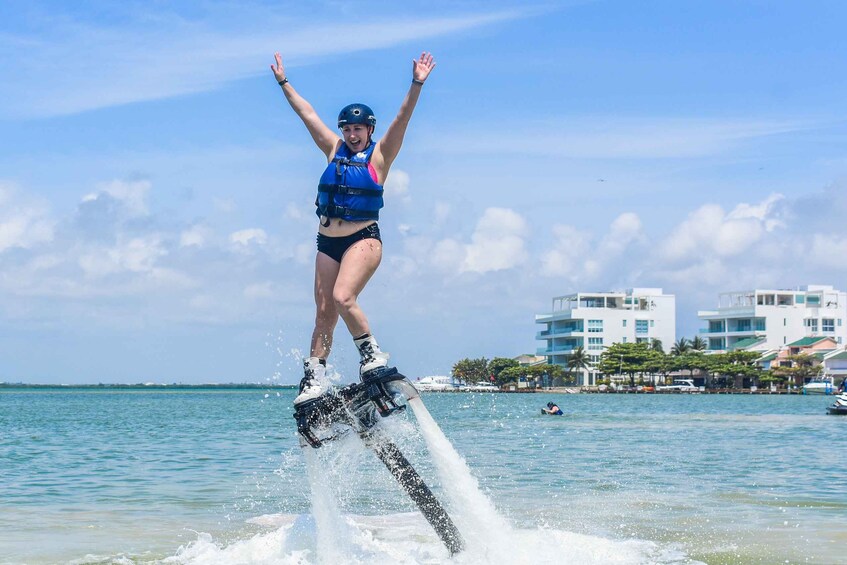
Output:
x=373 y=359
x=313 y=383
x=326 y=414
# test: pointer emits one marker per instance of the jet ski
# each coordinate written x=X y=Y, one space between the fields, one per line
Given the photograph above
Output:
x=840 y=405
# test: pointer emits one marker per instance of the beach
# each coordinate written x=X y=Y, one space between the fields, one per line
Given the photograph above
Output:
x=216 y=475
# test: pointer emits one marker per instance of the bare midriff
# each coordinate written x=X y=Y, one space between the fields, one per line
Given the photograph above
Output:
x=341 y=228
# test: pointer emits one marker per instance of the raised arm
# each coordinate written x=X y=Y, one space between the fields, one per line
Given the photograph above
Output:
x=325 y=138
x=389 y=146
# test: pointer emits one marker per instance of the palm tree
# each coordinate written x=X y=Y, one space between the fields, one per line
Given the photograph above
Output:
x=698 y=344
x=578 y=360
x=656 y=345
x=680 y=347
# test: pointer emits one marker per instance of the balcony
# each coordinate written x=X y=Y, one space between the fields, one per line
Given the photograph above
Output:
x=563 y=332
x=733 y=312
x=561 y=350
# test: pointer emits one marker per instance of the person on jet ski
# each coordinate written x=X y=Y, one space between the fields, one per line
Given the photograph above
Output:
x=552 y=409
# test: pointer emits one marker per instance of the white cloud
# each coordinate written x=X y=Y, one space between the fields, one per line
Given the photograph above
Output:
x=23 y=225
x=624 y=231
x=447 y=255
x=259 y=290
x=497 y=242
x=828 y=250
x=138 y=255
x=195 y=236
x=295 y=212
x=599 y=137
x=225 y=205
x=249 y=236
x=165 y=55
x=764 y=211
x=441 y=212
x=397 y=186
x=304 y=253
x=710 y=230
x=132 y=194
x=570 y=249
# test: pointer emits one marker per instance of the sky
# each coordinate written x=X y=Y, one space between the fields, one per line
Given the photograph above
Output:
x=156 y=191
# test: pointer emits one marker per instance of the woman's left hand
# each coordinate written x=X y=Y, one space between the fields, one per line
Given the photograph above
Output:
x=422 y=67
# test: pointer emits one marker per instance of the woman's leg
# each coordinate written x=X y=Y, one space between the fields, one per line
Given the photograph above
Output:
x=358 y=265
x=326 y=314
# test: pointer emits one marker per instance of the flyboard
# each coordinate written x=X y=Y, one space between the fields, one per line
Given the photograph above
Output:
x=358 y=408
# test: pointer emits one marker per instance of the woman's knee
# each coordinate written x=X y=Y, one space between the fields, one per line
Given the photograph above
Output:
x=344 y=300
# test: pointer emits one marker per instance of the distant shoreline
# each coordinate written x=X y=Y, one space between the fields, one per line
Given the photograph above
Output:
x=148 y=386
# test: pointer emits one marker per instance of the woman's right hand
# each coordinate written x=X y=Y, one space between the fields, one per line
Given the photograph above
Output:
x=278 y=69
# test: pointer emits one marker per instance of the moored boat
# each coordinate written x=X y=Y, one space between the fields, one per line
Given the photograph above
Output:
x=820 y=385
x=482 y=386
x=436 y=383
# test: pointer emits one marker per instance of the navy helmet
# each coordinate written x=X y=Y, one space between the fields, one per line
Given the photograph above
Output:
x=356 y=114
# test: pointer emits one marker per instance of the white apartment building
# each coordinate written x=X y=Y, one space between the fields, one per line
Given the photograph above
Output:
x=777 y=316
x=596 y=320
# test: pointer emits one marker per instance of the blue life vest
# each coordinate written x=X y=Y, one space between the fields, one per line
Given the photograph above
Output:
x=346 y=188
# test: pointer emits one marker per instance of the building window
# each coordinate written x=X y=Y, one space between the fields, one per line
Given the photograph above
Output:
x=743 y=326
x=785 y=321
x=595 y=326
x=624 y=339
x=812 y=324
x=716 y=326
x=624 y=323
x=595 y=343
x=816 y=300
x=652 y=323
x=642 y=340
x=801 y=299
x=828 y=324
x=640 y=326
x=839 y=322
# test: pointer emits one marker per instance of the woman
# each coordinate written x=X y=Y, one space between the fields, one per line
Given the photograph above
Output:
x=349 y=198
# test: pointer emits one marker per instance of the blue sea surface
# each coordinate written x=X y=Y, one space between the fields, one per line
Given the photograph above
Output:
x=103 y=475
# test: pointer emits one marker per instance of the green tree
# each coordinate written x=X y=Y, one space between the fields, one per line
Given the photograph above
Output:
x=656 y=345
x=471 y=370
x=698 y=344
x=800 y=368
x=680 y=347
x=690 y=361
x=624 y=359
x=533 y=372
x=658 y=363
x=498 y=364
x=731 y=368
x=578 y=361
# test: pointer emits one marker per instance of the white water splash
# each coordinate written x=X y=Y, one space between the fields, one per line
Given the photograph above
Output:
x=329 y=536
x=334 y=535
x=484 y=529
x=407 y=539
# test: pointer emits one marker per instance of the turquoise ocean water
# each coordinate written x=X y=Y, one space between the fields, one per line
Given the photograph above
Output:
x=217 y=476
